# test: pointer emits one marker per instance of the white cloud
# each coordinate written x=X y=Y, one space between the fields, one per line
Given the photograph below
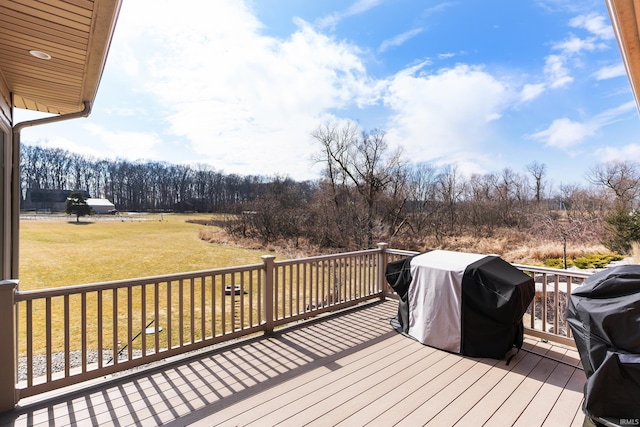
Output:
x=241 y=98
x=64 y=143
x=556 y=73
x=246 y=103
x=132 y=145
x=531 y=91
x=610 y=72
x=574 y=45
x=399 y=39
x=565 y=133
x=356 y=8
x=624 y=153
x=595 y=24
x=557 y=69
x=445 y=116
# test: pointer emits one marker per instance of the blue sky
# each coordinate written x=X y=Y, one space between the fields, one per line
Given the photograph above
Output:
x=241 y=85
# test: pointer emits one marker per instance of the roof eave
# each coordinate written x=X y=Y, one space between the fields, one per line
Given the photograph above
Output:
x=624 y=19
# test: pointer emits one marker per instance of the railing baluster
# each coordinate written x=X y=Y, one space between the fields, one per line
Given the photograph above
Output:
x=29 y=338
x=251 y=296
x=223 y=304
x=275 y=293
x=180 y=313
x=130 y=323
x=242 y=293
x=322 y=280
x=544 y=301
x=284 y=279
x=296 y=288
x=304 y=287
x=315 y=285
x=156 y=314
x=83 y=331
x=203 y=309
x=143 y=320
x=99 y=303
x=48 y=337
x=192 y=304
x=67 y=338
x=260 y=296
x=169 y=317
x=232 y=301
x=569 y=283
x=213 y=305
x=556 y=311
x=114 y=322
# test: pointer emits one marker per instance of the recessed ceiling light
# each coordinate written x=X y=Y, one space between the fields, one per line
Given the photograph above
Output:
x=40 y=54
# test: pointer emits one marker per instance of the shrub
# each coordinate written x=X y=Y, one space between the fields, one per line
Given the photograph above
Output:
x=623 y=229
x=556 y=263
x=596 y=260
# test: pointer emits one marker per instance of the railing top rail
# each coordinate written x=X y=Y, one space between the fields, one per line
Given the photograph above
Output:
x=557 y=271
x=326 y=257
x=102 y=286
x=401 y=252
x=536 y=269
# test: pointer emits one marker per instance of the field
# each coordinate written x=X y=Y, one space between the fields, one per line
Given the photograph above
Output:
x=55 y=251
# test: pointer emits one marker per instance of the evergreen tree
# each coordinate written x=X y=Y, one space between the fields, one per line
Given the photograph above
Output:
x=77 y=205
x=624 y=229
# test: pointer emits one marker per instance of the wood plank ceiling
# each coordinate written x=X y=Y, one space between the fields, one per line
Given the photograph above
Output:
x=75 y=34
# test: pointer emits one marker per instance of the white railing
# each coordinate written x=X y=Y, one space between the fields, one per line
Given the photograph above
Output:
x=76 y=333
x=547 y=315
x=73 y=334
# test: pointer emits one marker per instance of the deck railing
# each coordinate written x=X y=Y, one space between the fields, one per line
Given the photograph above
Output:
x=73 y=334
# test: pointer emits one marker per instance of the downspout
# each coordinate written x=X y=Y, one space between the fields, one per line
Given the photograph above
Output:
x=15 y=177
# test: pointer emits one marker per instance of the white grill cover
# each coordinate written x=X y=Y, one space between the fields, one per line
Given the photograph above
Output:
x=435 y=297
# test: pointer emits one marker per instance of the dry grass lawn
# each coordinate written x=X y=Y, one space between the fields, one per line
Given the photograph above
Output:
x=55 y=251
x=58 y=252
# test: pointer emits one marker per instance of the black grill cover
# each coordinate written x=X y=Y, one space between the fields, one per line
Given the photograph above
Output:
x=604 y=316
x=494 y=295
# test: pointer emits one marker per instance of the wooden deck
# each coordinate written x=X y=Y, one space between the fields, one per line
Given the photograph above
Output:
x=349 y=369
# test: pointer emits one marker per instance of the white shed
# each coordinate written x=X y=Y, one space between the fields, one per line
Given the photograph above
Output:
x=101 y=206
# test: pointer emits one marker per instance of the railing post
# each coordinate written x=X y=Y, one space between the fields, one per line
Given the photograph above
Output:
x=8 y=393
x=269 y=309
x=382 y=267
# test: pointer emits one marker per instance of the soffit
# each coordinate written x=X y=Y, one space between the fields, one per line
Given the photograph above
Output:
x=625 y=20
x=75 y=33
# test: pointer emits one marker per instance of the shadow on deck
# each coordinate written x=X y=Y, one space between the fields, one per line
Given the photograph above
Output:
x=350 y=369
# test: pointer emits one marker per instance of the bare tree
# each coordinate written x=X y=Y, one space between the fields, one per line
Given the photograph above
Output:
x=450 y=189
x=359 y=161
x=538 y=171
x=422 y=197
x=622 y=178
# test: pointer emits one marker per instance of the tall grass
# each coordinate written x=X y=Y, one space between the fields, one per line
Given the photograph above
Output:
x=516 y=247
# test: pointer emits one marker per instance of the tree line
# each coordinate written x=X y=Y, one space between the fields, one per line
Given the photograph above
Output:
x=367 y=193
x=143 y=186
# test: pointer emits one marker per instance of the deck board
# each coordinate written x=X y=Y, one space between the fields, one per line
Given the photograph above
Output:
x=347 y=369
